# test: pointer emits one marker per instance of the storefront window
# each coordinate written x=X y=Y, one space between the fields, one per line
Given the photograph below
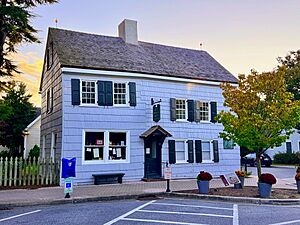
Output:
x=94 y=145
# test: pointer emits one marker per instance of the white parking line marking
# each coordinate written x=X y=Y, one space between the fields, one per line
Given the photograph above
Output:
x=16 y=216
x=162 y=221
x=184 y=213
x=287 y=222
x=235 y=215
x=128 y=213
x=192 y=206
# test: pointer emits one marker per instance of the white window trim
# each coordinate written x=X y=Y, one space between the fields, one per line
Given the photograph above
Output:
x=211 y=151
x=186 y=110
x=127 y=93
x=106 y=147
x=185 y=151
x=209 y=112
x=96 y=92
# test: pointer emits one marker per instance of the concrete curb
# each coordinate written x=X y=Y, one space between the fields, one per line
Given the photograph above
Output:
x=236 y=199
x=150 y=195
x=77 y=200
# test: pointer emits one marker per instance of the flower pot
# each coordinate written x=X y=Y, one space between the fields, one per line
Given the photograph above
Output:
x=203 y=186
x=241 y=184
x=264 y=189
x=298 y=185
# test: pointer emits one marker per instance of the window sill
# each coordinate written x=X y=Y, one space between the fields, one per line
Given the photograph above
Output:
x=101 y=162
x=208 y=162
x=184 y=121
x=181 y=162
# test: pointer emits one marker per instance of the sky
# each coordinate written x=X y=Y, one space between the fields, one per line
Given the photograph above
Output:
x=241 y=35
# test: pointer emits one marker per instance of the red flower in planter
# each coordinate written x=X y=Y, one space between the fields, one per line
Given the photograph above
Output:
x=267 y=178
x=204 y=176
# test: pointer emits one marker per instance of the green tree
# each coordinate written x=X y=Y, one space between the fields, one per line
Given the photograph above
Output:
x=15 y=28
x=18 y=113
x=262 y=112
x=292 y=73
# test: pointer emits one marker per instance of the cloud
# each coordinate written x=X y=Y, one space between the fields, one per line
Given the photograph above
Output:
x=30 y=65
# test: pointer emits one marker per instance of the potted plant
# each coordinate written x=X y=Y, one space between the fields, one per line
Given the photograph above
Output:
x=241 y=175
x=297 y=178
x=203 y=179
x=265 y=182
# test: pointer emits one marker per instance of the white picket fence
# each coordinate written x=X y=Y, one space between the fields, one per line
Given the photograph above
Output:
x=28 y=172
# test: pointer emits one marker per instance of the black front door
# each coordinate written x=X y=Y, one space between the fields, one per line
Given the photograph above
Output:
x=153 y=146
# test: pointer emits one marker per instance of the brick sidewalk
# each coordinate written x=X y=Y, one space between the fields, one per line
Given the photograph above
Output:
x=52 y=194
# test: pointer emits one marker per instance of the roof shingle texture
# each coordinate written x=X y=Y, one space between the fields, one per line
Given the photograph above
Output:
x=91 y=51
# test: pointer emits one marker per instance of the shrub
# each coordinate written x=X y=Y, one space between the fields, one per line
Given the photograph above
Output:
x=267 y=178
x=34 y=152
x=5 y=154
x=286 y=158
x=204 y=176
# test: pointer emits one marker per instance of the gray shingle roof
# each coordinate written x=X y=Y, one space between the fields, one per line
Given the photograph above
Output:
x=82 y=50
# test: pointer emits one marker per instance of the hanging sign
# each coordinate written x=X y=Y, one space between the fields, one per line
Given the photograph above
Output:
x=156 y=112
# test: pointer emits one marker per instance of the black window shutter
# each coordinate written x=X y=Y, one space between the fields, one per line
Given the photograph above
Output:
x=52 y=99
x=289 y=147
x=198 y=148
x=101 y=93
x=48 y=100
x=216 y=151
x=172 y=155
x=75 y=87
x=132 y=93
x=173 y=109
x=190 y=151
x=197 y=111
x=191 y=111
x=108 y=93
x=213 y=111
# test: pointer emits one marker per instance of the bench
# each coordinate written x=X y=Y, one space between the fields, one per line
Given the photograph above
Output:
x=108 y=178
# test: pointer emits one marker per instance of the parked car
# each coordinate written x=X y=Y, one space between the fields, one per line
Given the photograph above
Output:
x=250 y=159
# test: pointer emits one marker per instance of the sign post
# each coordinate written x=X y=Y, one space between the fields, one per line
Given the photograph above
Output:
x=168 y=176
x=68 y=172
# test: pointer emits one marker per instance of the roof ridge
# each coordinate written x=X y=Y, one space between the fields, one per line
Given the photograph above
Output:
x=142 y=42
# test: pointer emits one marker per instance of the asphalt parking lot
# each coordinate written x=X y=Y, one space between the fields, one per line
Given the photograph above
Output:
x=161 y=211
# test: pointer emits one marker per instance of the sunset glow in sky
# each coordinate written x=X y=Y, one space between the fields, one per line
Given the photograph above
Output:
x=241 y=35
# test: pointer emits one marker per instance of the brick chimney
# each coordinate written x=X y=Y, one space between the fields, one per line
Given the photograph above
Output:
x=128 y=31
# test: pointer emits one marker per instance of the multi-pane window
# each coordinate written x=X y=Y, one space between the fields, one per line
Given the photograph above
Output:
x=206 y=151
x=120 y=94
x=105 y=146
x=180 y=151
x=204 y=111
x=88 y=92
x=117 y=146
x=228 y=144
x=180 y=109
x=94 y=146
